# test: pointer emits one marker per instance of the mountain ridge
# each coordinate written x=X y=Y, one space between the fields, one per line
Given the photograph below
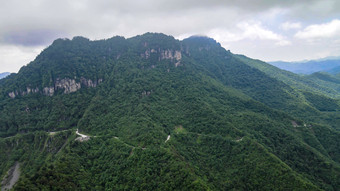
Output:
x=232 y=126
x=311 y=66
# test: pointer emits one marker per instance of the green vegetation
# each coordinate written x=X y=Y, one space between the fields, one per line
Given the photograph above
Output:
x=317 y=83
x=232 y=126
x=315 y=98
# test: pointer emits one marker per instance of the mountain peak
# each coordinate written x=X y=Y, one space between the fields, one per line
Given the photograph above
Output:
x=199 y=43
x=152 y=37
x=80 y=38
x=200 y=39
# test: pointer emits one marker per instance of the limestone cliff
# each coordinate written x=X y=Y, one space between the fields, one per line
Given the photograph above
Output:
x=67 y=85
x=173 y=55
x=167 y=54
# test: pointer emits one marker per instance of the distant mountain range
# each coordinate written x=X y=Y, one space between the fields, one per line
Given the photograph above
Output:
x=330 y=65
x=3 y=75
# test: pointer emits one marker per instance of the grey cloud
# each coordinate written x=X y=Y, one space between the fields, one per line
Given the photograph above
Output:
x=102 y=18
x=39 y=22
x=176 y=5
x=31 y=37
x=313 y=8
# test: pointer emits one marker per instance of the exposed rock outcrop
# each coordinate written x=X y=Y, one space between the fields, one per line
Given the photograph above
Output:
x=170 y=54
x=16 y=93
x=146 y=93
x=163 y=54
x=29 y=90
x=22 y=93
x=12 y=94
x=66 y=84
x=48 y=91
x=89 y=82
x=177 y=63
x=69 y=85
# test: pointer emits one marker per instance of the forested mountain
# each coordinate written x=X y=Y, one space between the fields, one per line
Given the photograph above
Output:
x=3 y=75
x=325 y=83
x=156 y=113
x=331 y=65
x=319 y=82
x=326 y=80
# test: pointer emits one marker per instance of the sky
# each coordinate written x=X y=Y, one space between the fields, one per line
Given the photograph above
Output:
x=269 y=30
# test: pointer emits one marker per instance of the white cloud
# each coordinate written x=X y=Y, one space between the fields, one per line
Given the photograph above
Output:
x=283 y=43
x=14 y=57
x=256 y=31
x=224 y=35
x=248 y=31
x=290 y=25
x=325 y=30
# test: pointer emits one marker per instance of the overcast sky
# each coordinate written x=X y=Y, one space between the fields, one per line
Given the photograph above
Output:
x=269 y=30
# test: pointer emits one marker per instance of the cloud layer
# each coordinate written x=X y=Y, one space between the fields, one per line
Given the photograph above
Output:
x=319 y=31
x=267 y=30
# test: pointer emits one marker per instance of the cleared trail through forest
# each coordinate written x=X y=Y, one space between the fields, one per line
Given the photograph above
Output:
x=82 y=137
x=167 y=139
x=11 y=178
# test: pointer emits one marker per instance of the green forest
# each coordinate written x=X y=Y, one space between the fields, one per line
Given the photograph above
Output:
x=164 y=114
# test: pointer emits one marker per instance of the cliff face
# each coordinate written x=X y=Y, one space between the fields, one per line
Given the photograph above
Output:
x=168 y=54
x=66 y=84
x=163 y=54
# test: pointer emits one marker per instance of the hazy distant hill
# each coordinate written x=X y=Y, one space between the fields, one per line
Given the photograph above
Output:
x=3 y=75
x=164 y=114
x=309 y=67
x=334 y=71
x=319 y=83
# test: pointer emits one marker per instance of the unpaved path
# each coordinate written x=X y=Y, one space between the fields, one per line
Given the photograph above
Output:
x=83 y=137
x=238 y=140
x=55 y=132
x=11 y=178
x=167 y=139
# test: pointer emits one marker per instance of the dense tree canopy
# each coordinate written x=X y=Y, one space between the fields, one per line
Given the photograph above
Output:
x=231 y=125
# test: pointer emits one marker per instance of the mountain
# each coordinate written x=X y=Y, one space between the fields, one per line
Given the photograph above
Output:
x=326 y=80
x=308 y=67
x=334 y=71
x=3 y=75
x=154 y=113
x=318 y=83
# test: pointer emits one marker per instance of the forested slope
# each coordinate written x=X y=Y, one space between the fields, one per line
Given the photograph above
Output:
x=231 y=126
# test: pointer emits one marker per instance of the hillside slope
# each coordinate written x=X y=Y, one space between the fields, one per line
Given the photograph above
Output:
x=298 y=81
x=325 y=80
x=161 y=114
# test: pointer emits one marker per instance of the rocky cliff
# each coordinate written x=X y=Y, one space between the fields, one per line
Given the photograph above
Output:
x=66 y=84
